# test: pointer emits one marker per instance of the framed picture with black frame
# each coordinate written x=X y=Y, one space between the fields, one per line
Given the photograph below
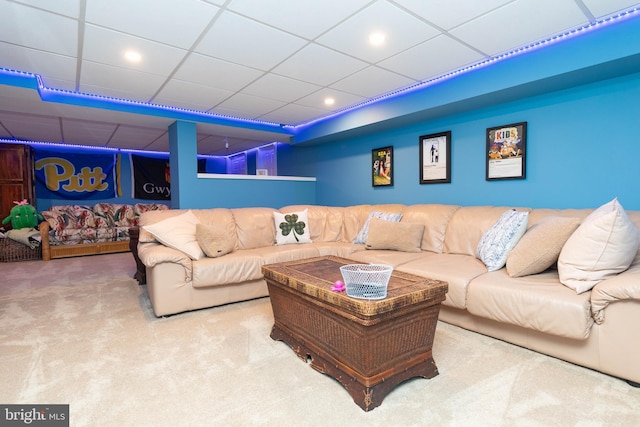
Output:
x=435 y=158
x=507 y=152
x=382 y=166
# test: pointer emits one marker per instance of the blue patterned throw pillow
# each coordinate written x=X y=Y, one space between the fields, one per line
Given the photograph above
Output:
x=501 y=238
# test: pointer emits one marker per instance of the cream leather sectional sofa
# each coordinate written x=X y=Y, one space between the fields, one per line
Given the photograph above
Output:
x=597 y=329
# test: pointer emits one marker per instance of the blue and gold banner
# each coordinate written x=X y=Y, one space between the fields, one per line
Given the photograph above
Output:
x=76 y=176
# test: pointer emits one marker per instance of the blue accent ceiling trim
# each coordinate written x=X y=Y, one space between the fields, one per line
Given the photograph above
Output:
x=33 y=81
x=18 y=78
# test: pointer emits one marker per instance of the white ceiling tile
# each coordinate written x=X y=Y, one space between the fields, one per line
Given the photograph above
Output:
x=244 y=41
x=280 y=88
x=237 y=132
x=55 y=33
x=69 y=8
x=319 y=65
x=134 y=137
x=160 y=144
x=432 y=58
x=174 y=22
x=216 y=2
x=108 y=47
x=402 y=31
x=307 y=19
x=246 y=106
x=34 y=61
x=447 y=15
x=193 y=96
x=30 y=126
x=99 y=79
x=294 y=114
x=86 y=132
x=213 y=72
x=523 y=21
x=27 y=101
x=372 y=81
x=607 y=7
x=342 y=100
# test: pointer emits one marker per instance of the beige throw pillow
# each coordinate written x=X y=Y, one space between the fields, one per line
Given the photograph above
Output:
x=361 y=238
x=540 y=246
x=213 y=240
x=396 y=236
x=178 y=232
x=604 y=245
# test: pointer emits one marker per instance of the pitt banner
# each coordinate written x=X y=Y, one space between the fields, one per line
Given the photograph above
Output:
x=151 y=177
x=75 y=176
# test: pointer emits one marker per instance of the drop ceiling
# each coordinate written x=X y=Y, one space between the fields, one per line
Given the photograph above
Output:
x=271 y=61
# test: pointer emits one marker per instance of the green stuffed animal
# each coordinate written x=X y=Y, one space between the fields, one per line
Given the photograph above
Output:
x=23 y=215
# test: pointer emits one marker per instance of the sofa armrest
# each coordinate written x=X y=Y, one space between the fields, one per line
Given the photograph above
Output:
x=44 y=229
x=154 y=253
x=624 y=286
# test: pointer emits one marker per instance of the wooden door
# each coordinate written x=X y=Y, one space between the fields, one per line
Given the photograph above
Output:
x=16 y=177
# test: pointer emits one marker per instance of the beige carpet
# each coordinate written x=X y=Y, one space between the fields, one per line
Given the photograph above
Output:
x=81 y=331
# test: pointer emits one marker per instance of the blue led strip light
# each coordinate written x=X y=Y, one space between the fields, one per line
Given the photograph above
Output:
x=485 y=63
x=119 y=150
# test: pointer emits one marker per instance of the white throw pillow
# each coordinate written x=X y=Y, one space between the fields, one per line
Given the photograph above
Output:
x=178 y=232
x=604 y=245
x=361 y=238
x=292 y=227
x=501 y=238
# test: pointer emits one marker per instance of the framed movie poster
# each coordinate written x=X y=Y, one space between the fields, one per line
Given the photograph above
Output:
x=435 y=158
x=507 y=152
x=382 y=166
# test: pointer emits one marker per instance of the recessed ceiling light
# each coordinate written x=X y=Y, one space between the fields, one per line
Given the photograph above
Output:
x=329 y=101
x=377 y=38
x=132 y=56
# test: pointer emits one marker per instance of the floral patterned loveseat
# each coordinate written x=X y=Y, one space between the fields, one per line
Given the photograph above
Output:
x=74 y=230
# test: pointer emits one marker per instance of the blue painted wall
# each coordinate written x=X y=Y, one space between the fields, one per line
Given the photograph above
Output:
x=582 y=150
x=240 y=193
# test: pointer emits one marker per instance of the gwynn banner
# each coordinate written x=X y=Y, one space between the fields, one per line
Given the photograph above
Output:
x=151 y=177
x=77 y=176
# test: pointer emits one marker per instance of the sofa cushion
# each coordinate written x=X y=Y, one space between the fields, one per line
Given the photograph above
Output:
x=114 y=215
x=361 y=238
x=292 y=228
x=535 y=302
x=604 y=245
x=69 y=216
x=501 y=238
x=396 y=236
x=467 y=226
x=237 y=267
x=455 y=269
x=213 y=240
x=540 y=246
x=254 y=227
x=178 y=232
x=435 y=218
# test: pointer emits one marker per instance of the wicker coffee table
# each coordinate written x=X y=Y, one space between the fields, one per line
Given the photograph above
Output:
x=369 y=346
